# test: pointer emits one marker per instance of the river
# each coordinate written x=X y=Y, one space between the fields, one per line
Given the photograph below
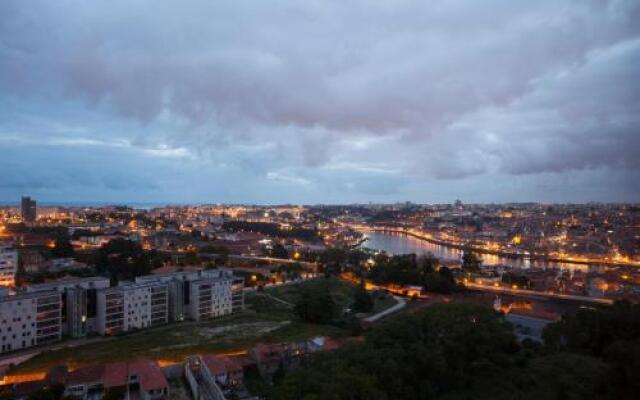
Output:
x=397 y=243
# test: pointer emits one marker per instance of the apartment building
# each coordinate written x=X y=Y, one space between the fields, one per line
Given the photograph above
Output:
x=141 y=379
x=29 y=319
x=178 y=290
x=210 y=298
x=187 y=288
x=8 y=264
x=236 y=283
x=132 y=306
x=79 y=299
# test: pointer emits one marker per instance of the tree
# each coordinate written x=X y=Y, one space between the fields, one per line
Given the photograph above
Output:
x=440 y=282
x=593 y=331
x=419 y=356
x=278 y=251
x=448 y=352
x=221 y=253
x=191 y=258
x=316 y=305
x=470 y=261
x=428 y=263
x=123 y=260
x=611 y=333
x=62 y=247
x=363 y=302
x=513 y=278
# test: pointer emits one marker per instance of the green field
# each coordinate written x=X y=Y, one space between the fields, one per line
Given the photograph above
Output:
x=341 y=291
x=265 y=320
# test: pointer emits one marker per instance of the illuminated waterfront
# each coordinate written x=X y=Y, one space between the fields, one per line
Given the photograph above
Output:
x=396 y=243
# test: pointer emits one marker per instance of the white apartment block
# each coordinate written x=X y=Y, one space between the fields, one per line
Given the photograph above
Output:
x=79 y=297
x=237 y=285
x=182 y=297
x=8 y=265
x=210 y=298
x=178 y=287
x=29 y=319
x=132 y=306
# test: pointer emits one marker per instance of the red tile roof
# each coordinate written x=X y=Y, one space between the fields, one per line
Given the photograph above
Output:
x=86 y=375
x=115 y=375
x=149 y=374
x=215 y=364
x=330 y=344
x=244 y=360
x=231 y=364
x=57 y=375
x=265 y=353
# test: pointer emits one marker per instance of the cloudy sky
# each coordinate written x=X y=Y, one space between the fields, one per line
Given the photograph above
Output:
x=320 y=101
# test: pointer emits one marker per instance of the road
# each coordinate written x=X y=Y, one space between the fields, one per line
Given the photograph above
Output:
x=534 y=293
x=400 y=303
x=306 y=264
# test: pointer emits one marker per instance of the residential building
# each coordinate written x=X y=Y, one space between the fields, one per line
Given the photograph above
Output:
x=132 y=306
x=28 y=209
x=141 y=379
x=32 y=260
x=269 y=357
x=529 y=324
x=29 y=319
x=79 y=296
x=235 y=283
x=178 y=290
x=224 y=290
x=149 y=380
x=210 y=298
x=8 y=265
x=225 y=370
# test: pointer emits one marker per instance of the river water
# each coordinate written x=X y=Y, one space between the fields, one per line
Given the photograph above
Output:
x=396 y=243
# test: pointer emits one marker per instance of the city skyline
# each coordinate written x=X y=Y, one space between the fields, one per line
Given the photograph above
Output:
x=309 y=103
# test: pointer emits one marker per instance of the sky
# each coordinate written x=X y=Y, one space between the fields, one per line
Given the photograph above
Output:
x=289 y=101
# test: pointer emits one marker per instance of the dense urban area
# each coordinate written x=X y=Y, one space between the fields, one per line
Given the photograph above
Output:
x=365 y=301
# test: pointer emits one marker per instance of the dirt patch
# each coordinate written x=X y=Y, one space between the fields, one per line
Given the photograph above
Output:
x=242 y=330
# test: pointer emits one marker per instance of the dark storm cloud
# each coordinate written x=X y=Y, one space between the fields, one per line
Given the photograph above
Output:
x=377 y=96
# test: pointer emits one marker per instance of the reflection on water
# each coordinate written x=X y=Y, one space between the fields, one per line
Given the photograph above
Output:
x=396 y=243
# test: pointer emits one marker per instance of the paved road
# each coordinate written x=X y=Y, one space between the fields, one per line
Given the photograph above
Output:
x=400 y=303
x=534 y=293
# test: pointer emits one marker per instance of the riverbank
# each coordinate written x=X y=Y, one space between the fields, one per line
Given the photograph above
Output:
x=499 y=253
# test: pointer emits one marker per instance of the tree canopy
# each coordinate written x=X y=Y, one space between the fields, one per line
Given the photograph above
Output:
x=123 y=259
x=316 y=305
x=456 y=351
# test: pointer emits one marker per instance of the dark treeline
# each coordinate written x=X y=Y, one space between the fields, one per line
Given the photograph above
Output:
x=408 y=269
x=467 y=351
x=270 y=229
x=123 y=259
x=382 y=268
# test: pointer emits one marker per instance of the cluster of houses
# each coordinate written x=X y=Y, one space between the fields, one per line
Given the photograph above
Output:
x=147 y=380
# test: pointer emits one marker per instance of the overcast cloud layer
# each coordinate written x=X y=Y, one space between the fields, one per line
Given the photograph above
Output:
x=320 y=101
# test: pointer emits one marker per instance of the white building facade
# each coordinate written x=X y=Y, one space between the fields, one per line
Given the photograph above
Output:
x=29 y=319
x=8 y=265
x=210 y=298
x=201 y=295
x=79 y=297
x=132 y=306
